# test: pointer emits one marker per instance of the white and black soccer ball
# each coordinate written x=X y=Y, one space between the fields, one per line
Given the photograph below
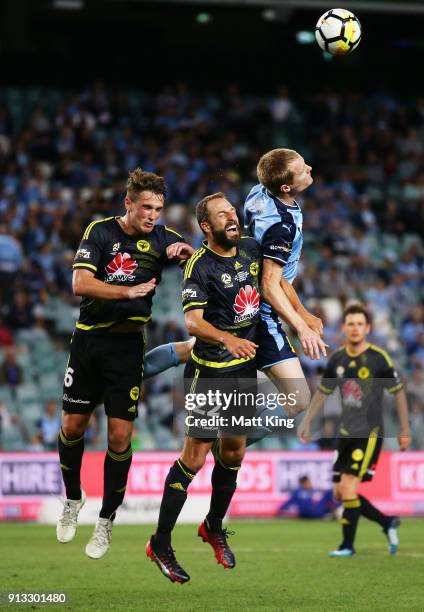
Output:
x=338 y=32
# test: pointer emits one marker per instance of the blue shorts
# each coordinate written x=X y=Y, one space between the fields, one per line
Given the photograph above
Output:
x=274 y=346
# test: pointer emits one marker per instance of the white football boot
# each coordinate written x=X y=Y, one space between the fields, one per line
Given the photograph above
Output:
x=100 y=540
x=67 y=524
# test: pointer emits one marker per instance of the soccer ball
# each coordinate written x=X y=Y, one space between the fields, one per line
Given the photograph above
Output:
x=338 y=32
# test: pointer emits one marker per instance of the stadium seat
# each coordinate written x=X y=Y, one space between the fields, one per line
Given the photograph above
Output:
x=5 y=395
x=13 y=440
x=31 y=411
x=27 y=392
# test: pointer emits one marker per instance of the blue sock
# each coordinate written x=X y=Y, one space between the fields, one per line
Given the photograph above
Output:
x=160 y=359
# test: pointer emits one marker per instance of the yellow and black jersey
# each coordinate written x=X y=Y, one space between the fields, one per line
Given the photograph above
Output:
x=226 y=288
x=117 y=258
x=361 y=380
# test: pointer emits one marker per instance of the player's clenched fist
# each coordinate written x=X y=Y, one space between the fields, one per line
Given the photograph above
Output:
x=239 y=347
x=138 y=291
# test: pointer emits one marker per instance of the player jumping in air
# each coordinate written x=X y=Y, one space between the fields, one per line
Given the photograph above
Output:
x=274 y=218
x=221 y=305
x=361 y=371
x=116 y=270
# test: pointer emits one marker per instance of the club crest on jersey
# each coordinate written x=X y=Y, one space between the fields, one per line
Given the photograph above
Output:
x=352 y=394
x=121 y=268
x=246 y=304
x=259 y=204
x=143 y=246
x=254 y=268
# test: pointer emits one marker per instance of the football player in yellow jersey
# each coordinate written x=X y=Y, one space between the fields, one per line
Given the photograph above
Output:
x=361 y=371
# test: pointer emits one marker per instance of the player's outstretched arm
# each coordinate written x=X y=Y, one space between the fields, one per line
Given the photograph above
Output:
x=84 y=284
x=272 y=293
x=404 y=436
x=317 y=403
x=311 y=320
x=197 y=326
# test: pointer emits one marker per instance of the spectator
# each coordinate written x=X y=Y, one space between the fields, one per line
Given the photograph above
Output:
x=11 y=372
x=8 y=423
x=309 y=503
x=11 y=259
x=6 y=337
x=48 y=426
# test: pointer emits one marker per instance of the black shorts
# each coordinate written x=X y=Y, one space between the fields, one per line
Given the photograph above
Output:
x=108 y=368
x=357 y=456
x=219 y=415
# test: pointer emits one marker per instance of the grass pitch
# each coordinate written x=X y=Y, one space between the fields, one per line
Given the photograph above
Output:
x=281 y=565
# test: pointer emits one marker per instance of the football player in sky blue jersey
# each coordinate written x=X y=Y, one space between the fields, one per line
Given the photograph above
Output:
x=274 y=218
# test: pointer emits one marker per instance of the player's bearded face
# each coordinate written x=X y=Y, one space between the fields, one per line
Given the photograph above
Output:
x=228 y=236
x=223 y=223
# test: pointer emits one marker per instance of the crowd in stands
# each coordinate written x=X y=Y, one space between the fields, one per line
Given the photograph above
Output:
x=64 y=159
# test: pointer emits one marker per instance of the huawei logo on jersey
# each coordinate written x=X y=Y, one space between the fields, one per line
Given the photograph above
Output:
x=352 y=394
x=246 y=304
x=121 y=268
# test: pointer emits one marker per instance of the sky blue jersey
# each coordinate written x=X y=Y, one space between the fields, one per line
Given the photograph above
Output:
x=277 y=227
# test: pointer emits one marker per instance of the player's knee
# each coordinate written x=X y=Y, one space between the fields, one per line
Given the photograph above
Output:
x=119 y=440
x=347 y=489
x=195 y=462
x=72 y=427
x=194 y=458
x=72 y=432
x=301 y=402
x=337 y=492
x=232 y=456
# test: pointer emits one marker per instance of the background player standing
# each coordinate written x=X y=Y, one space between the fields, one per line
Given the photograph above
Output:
x=361 y=371
x=116 y=269
x=221 y=306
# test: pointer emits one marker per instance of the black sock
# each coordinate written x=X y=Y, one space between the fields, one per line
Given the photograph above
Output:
x=70 y=455
x=350 y=518
x=224 y=483
x=116 y=468
x=173 y=499
x=373 y=514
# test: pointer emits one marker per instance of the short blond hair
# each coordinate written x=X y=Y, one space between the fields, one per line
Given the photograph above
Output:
x=139 y=180
x=273 y=169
